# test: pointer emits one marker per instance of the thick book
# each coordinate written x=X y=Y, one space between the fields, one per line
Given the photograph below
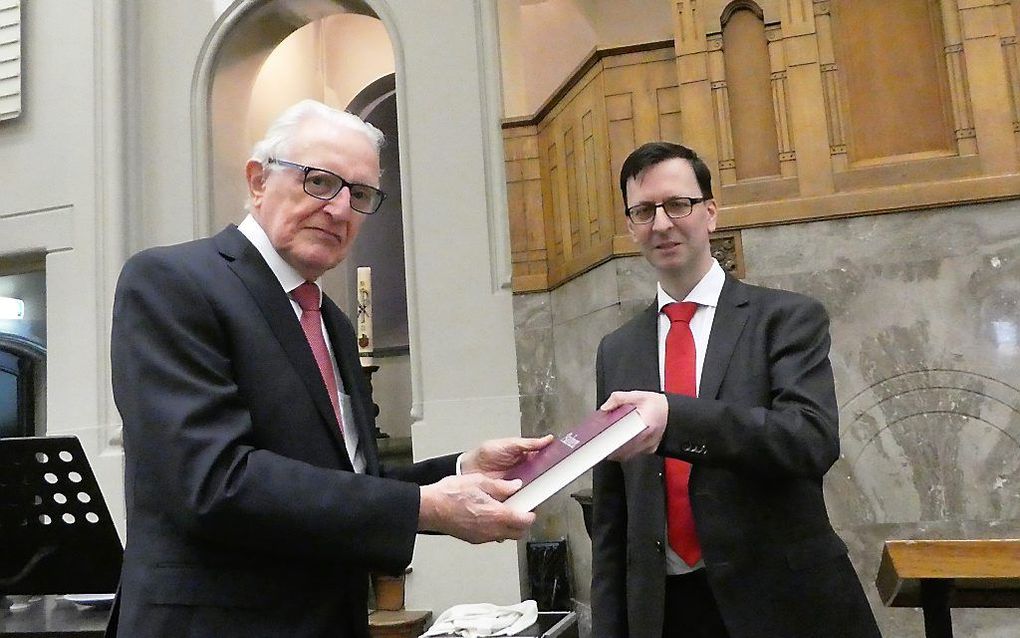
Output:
x=571 y=455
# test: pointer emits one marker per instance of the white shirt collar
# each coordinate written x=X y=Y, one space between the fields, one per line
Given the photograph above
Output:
x=706 y=293
x=286 y=274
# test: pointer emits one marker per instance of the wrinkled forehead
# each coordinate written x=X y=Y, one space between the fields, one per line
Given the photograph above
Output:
x=322 y=140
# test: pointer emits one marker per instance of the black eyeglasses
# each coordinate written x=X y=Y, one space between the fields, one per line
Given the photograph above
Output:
x=325 y=185
x=675 y=207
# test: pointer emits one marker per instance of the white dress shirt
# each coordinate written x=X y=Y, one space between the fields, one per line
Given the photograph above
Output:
x=706 y=295
x=290 y=279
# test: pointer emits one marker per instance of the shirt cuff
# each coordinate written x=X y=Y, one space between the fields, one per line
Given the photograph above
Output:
x=459 y=457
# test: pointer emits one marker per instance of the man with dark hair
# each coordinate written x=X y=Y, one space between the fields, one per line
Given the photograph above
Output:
x=711 y=523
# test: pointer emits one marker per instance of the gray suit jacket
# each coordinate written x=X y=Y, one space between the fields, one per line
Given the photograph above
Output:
x=760 y=436
x=244 y=515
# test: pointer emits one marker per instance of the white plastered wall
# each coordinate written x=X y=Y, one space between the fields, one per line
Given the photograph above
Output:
x=542 y=42
x=109 y=158
x=62 y=197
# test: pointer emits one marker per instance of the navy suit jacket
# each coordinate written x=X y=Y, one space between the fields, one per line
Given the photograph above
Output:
x=760 y=436
x=244 y=515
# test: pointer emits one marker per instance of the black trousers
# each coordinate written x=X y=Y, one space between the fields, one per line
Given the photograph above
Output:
x=690 y=610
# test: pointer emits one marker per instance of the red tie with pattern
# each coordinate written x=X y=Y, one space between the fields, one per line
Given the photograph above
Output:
x=680 y=371
x=307 y=296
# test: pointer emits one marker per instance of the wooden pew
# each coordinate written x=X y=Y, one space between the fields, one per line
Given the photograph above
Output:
x=938 y=575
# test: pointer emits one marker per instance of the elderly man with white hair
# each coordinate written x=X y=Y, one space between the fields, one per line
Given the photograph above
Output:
x=255 y=498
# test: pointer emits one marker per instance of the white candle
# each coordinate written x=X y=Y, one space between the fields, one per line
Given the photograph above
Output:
x=365 y=342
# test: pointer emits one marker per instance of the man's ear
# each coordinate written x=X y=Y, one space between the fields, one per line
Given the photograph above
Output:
x=713 y=215
x=255 y=174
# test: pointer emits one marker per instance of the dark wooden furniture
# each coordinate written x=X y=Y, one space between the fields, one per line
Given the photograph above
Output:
x=584 y=499
x=400 y=623
x=54 y=617
x=938 y=575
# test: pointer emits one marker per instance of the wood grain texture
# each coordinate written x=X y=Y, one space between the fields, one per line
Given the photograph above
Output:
x=984 y=573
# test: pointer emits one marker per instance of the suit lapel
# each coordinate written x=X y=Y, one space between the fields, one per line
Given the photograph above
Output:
x=346 y=362
x=249 y=266
x=644 y=356
x=644 y=375
x=730 y=317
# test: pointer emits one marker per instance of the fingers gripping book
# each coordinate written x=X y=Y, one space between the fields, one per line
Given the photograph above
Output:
x=571 y=455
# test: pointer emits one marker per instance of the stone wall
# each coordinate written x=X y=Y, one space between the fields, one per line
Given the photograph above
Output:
x=924 y=312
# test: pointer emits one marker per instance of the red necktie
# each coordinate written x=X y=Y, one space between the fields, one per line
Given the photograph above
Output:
x=680 y=371
x=307 y=296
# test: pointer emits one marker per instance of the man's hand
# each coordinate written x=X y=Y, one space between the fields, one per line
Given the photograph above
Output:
x=653 y=409
x=470 y=508
x=495 y=456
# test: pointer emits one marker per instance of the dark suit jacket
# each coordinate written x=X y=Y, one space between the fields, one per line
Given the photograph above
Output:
x=244 y=515
x=760 y=437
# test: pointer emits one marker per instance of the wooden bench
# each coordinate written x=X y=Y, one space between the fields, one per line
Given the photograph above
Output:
x=938 y=575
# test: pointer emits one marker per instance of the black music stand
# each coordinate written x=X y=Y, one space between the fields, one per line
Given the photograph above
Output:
x=56 y=533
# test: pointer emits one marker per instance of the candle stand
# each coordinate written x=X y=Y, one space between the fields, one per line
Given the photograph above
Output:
x=369 y=370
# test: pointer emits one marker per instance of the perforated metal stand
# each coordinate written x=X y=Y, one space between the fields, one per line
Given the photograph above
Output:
x=56 y=534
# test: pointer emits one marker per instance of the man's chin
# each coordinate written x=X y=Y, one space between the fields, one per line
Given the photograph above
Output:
x=666 y=260
x=318 y=265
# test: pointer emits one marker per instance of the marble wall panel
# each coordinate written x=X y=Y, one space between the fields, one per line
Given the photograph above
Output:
x=636 y=280
x=556 y=342
x=924 y=311
x=532 y=310
x=596 y=290
x=576 y=341
x=536 y=376
x=575 y=344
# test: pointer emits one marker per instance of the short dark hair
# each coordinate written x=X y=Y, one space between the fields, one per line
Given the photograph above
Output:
x=654 y=153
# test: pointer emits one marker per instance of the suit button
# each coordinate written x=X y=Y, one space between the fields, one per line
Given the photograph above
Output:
x=658 y=546
x=661 y=475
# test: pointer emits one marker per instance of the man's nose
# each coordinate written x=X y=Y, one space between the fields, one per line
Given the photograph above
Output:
x=340 y=205
x=661 y=221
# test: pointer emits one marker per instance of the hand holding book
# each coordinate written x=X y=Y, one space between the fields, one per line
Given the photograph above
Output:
x=557 y=464
x=469 y=507
x=654 y=411
x=494 y=457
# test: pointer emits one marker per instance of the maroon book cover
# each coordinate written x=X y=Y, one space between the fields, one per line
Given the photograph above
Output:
x=564 y=446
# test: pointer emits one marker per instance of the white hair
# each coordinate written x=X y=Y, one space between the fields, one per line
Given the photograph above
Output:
x=282 y=130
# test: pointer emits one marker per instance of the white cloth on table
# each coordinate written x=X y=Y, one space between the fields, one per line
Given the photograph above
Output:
x=484 y=619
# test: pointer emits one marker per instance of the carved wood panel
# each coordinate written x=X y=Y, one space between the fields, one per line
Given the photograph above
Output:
x=642 y=103
x=524 y=203
x=574 y=136
x=853 y=137
x=894 y=75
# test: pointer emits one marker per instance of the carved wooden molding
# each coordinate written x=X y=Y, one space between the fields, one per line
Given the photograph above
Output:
x=956 y=72
x=728 y=251
x=737 y=5
x=575 y=77
x=809 y=94
x=1009 y=53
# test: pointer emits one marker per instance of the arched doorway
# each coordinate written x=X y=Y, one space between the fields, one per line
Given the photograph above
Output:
x=381 y=244
x=271 y=54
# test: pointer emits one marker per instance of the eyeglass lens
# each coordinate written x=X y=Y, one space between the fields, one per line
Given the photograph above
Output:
x=326 y=185
x=676 y=208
